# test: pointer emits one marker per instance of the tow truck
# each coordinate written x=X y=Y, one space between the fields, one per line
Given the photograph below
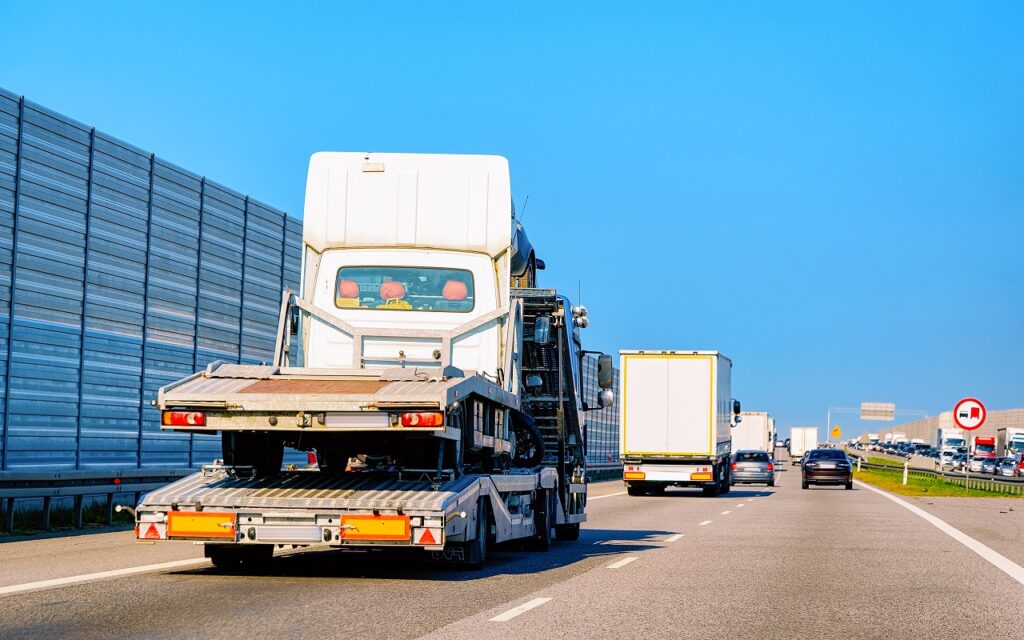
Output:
x=437 y=386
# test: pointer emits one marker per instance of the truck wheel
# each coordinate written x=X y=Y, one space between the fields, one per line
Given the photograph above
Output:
x=542 y=522
x=713 y=491
x=476 y=551
x=332 y=460
x=634 y=491
x=568 y=532
x=725 y=483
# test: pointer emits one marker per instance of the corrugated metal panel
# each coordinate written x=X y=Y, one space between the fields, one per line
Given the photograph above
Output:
x=125 y=273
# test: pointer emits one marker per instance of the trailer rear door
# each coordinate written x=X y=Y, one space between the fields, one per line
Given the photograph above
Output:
x=667 y=404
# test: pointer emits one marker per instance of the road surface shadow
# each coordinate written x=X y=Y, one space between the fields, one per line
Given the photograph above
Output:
x=414 y=564
x=698 y=494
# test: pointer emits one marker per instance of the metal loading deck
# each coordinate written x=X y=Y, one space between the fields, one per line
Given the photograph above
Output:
x=308 y=490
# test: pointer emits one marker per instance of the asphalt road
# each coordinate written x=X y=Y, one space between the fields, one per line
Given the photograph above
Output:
x=759 y=562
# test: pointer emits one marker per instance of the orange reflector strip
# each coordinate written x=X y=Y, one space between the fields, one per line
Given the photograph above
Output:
x=375 y=528
x=200 y=524
x=700 y=476
x=634 y=475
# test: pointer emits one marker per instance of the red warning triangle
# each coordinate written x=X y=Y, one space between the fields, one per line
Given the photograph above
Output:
x=152 y=533
x=427 y=537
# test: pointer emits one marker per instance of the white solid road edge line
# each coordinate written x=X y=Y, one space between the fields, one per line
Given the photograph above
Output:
x=674 y=538
x=621 y=563
x=607 y=495
x=89 y=577
x=523 y=608
x=999 y=561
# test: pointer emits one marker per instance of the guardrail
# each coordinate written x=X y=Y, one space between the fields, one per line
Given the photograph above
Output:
x=79 y=484
x=995 y=484
x=604 y=471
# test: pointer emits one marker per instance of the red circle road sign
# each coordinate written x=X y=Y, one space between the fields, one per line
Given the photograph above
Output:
x=969 y=414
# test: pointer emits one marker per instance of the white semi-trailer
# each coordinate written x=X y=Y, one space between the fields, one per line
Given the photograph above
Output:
x=950 y=440
x=1010 y=441
x=754 y=431
x=802 y=440
x=442 y=402
x=675 y=420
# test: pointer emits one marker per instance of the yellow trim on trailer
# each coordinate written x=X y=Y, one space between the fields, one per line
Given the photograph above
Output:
x=712 y=445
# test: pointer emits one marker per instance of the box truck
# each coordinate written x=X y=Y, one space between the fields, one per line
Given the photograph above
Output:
x=1010 y=441
x=420 y=347
x=754 y=431
x=802 y=440
x=675 y=420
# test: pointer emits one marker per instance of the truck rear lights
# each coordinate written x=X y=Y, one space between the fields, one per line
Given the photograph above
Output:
x=423 y=419
x=634 y=475
x=700 y=476
x=183 y=419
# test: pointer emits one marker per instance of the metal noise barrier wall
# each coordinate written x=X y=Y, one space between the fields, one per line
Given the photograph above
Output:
x=602 y=424
x=119 y=273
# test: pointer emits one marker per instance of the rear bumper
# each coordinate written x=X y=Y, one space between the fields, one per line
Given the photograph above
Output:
x=678 y=475
x=828 y=476
x=752 y=476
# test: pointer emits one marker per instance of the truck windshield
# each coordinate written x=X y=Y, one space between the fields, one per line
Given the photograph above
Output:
x=404 y=289
x=954 y=442
x=984 y=448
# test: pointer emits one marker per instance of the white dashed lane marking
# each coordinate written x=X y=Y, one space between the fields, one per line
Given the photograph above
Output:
x=523 y=608
x=725 y=513
x=701 y=524
x=621 y=563
x=673 y=538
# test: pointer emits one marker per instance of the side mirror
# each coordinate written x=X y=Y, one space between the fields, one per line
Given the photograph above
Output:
x=605 y=398
x=534 y=381
x=736 y=408
x=542 y=330
x=605 y=372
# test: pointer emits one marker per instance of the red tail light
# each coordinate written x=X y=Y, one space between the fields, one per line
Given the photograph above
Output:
x=424 y=419
x=771 y=467
x=734 y=466
x=183 y=419
x=310 y=457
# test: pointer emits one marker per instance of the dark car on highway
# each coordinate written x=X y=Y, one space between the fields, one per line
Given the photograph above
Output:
x=826 y=466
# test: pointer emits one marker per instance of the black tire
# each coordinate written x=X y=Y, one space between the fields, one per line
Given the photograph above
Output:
x=656 y=490
x=568 y=532
x=771 y=483
x=542 y=521
x=804 y=484
x=713 y=491
x=331 y=460
x=476 y=550
x=849 y=485
x=635 y=491
x=726 y=482
x=529 y=450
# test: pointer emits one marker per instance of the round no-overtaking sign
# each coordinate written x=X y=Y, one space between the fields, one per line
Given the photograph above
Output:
x=969 y=414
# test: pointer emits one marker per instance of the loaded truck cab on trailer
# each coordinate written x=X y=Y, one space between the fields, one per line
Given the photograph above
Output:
x=420 y=347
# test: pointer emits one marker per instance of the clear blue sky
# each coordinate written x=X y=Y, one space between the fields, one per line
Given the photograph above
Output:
x=829 y=193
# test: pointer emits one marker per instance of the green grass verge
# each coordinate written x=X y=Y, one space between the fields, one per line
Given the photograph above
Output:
x=922 y=486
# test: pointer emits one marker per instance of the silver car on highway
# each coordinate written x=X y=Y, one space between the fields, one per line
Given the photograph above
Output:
x=751 y=465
